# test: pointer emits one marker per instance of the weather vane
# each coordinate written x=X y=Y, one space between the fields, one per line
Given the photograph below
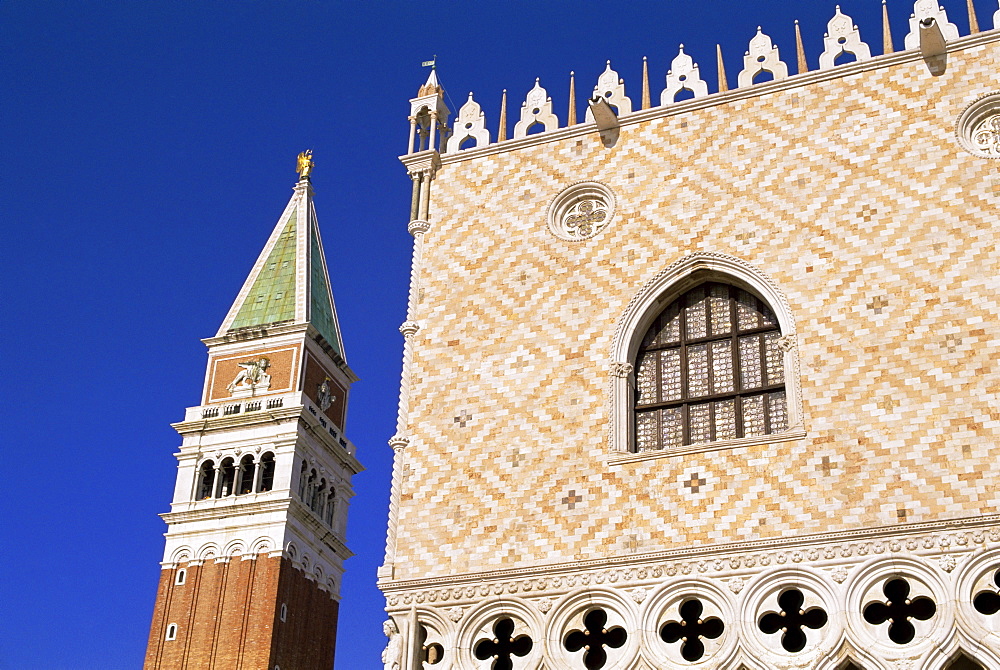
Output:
x=305 y=164
x=432 y=63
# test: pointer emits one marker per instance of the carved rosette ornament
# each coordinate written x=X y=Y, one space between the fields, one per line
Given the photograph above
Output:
x=978 y=127
x=581 y=211
x=986 y=136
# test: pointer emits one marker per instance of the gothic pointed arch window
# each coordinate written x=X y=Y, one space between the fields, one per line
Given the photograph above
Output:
x=710 y=367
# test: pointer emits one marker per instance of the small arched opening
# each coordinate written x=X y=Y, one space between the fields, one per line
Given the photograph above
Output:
x=266 y=472
x=227 y=478
x=206 y=479
x=319 y=494
x=303 y=480
x=331 y=507
x=247 y=468
x=962 y=662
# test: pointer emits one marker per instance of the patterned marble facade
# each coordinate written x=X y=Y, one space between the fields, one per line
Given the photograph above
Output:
x=528 y=526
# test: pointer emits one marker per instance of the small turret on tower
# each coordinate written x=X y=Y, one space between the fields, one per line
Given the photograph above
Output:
x=429 y=116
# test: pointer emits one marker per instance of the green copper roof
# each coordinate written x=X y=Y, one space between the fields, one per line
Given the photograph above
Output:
x=320 y=308
x=272 y=296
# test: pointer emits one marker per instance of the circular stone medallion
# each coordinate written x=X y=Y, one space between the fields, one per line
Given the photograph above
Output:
x=581 y=211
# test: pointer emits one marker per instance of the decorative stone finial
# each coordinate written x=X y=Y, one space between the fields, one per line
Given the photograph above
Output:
x=571 y=115
x=471 y=122
x=645 y=84
x=611 y=88
x=973 y=20
x=887 y=47
x=842 y=37
x=502 y=132
x=723 y=84
x=683 y=74
x=762 y=56
x=305 y=164
x=924 y=10
x=800 y=50
x=536 y=108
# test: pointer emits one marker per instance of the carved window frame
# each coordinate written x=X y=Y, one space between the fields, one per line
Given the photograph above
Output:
x=971 y=121
x=668 y=285
x=581 y=194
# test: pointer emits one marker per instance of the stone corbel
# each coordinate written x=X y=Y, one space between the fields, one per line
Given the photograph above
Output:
x=409 y=329
x=418 y=227
x=426 y=162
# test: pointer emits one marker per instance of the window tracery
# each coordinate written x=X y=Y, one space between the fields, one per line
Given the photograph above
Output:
x=581 y=211
x=710 y=368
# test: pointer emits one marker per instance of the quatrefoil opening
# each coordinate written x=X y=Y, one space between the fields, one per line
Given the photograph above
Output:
x=792 y=620
x=691 y=628
x=504 y=646
x=988 y=601
x=581 y=211
x=594 y=638
x=898 y=609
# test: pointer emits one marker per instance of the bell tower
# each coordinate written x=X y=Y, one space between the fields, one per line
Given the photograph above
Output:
x=255 y=534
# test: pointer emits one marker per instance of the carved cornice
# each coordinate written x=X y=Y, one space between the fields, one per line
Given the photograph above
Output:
x=257 y=332
x=241 y=420
x=236 y=509
x=732 y=558
x=423 y=162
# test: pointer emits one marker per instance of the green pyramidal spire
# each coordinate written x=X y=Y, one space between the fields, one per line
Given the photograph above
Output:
x=289 y=283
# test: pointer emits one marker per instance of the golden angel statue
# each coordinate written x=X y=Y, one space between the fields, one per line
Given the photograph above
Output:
x=305 y=164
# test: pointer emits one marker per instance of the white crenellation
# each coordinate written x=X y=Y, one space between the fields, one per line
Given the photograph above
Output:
x=536 y=108
x=683 y=74
x=762 y=56
x=611 y=88
x=842 y=36
x=470 y=122
x=929 y=9
x=996 y=18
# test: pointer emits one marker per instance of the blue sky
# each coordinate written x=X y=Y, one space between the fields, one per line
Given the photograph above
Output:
x=148 y=149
